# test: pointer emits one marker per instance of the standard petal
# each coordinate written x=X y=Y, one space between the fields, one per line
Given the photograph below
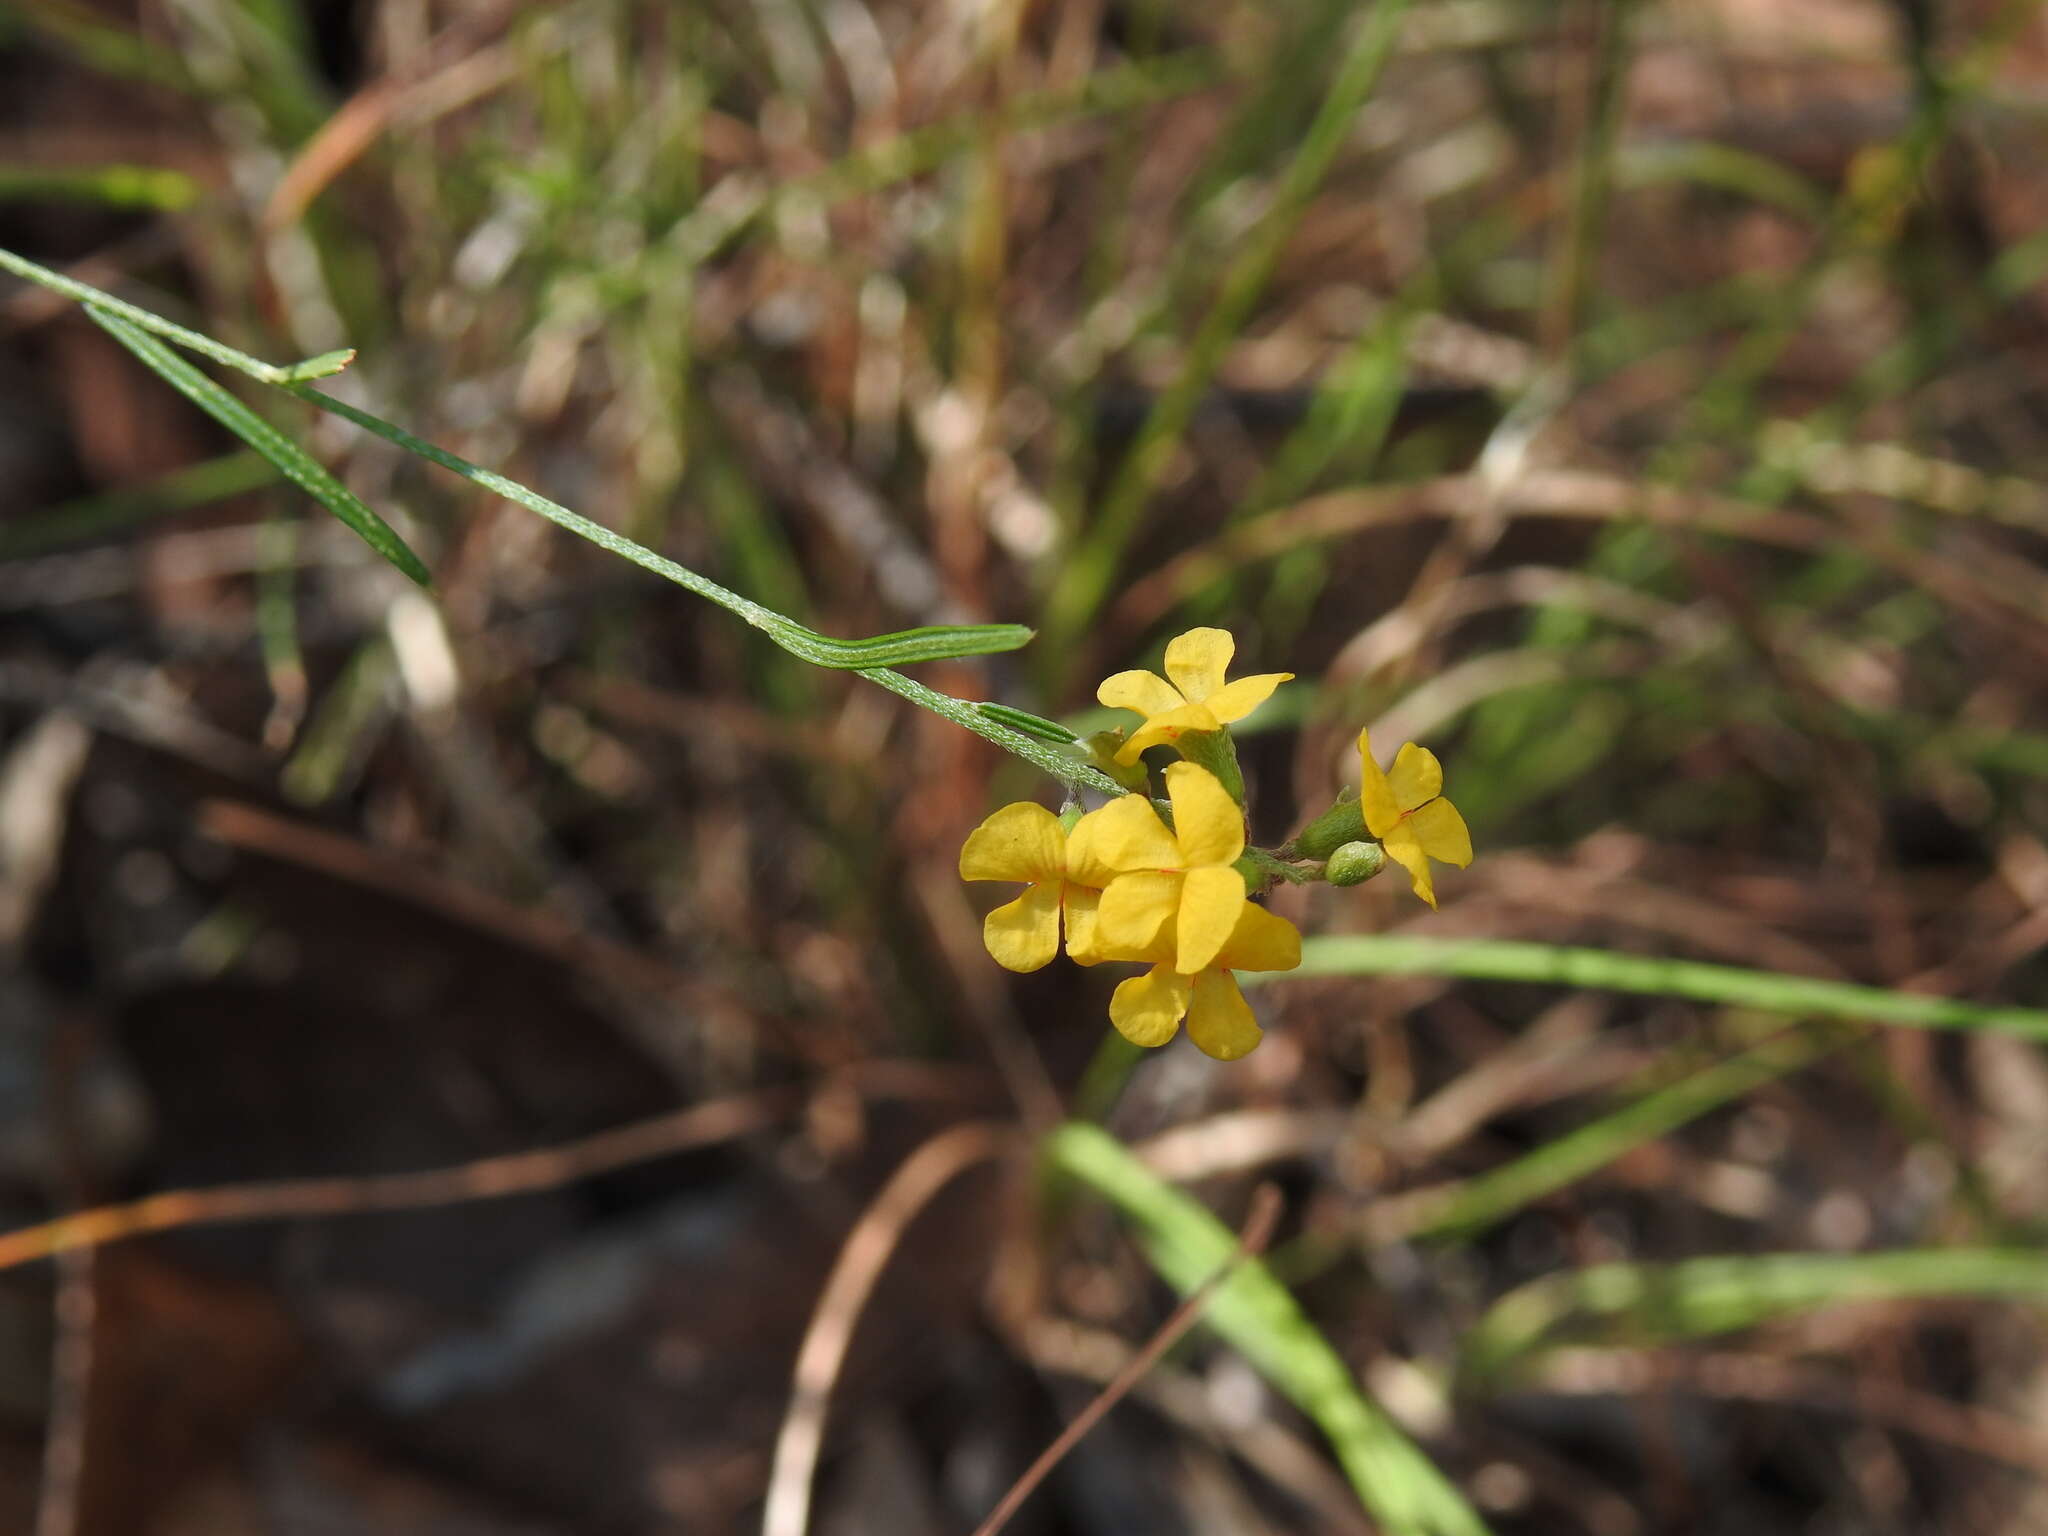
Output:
x=1405 y=851
x=1417 y=777
x=1375 y=795
x=1219 y=1019
x=1124 y=835
x=1197 y=660
x=1169 y=727
x=1233 y=701
x=1206 y=821
x=1134 y=919
x=1147 y=1009
x=1078 y=908
x=1019 y=842
x=1261 y=941
x=1441 y=831
x=1210 y=900
x=1146 y=692
x=1024 y=934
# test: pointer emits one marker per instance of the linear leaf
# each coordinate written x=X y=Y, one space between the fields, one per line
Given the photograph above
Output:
x=1698 y=1297
x=1562 y=965
x=291 y=460
x=1394 y=1479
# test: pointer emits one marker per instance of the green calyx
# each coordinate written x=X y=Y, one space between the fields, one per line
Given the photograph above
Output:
x=1355 y=863
x=1342 y=823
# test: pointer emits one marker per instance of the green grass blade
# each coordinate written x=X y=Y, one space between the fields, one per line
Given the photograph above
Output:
x=88 y=517
x=151 y=187
x=1088 y=574
x=205 y=346
x=291 y=460
x=1476 y=1203
x=1560 y=965
x=1395 y=1481
x=1699 y=1297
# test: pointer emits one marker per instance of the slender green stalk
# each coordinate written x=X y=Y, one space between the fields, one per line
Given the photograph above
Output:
x=267 y=373
x=1559 y=965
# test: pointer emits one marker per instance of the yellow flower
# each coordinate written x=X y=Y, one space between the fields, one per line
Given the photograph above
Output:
x=1406 y=811
x=1026 y=842
x=1148 y=1009
x=1173 y=888
x=1196 y=700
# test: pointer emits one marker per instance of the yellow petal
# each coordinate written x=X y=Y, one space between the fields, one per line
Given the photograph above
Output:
x=1206 y=821
x=1233 y=701
x=1405 y=851
x=1134 y=920
x=1197 y=660
x=1417 y=777
x=1210 y=900
x=1024 y=934
x=1169 y=727
x=1146 y=692
x=1019 y=842
x=1441 y=831
x=1078 y=907
x=1219 y=1019
x=1375 y=795
x=1261 y=941
x=1124 y=835
x=1147 y=1009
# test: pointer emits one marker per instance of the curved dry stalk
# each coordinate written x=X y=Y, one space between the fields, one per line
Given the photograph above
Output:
x=859 y=1265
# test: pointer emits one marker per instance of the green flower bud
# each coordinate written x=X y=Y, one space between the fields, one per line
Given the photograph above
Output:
x=1342 y=823
x=1355 y=863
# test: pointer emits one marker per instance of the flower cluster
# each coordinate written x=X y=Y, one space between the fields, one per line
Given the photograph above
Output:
x=1174 y=892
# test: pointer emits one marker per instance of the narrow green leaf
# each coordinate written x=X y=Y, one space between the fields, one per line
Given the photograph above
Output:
x=108 y=186
x=1029 y=724
x=1559 y=965
x=1699 y=1297
x=1465 y=1208
x=291 y=460
x=1394 y=1479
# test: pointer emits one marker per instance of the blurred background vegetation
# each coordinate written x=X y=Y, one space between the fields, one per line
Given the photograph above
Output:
x=1644 y=403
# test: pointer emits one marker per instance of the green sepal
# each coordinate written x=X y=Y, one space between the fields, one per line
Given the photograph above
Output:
x=1102 y=749
x=1215 y=751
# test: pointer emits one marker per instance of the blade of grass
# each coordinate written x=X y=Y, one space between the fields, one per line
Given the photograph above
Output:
x=1699 y=1297
x=1086 y=576
x=1562 y=965
x=1467 y=1207
x=291 y=460
x=1394 y=1479
x=197 y=485
x=108 y=186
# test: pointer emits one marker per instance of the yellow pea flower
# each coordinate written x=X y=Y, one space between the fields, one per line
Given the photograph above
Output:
x=1174 y=888
x=1148 y=1009
x=1026 y=842
x=1405 y=809
x=1198 y=699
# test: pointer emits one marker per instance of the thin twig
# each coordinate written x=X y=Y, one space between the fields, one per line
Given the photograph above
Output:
x=861 y=1261
x=489 y=1178
x=1252 y=1240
